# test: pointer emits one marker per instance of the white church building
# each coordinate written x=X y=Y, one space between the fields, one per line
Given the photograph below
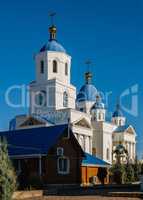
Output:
x=54 y=100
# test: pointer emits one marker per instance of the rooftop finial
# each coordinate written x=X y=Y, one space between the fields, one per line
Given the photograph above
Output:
x=98 y=98
x=52 y=29
x=88 y=74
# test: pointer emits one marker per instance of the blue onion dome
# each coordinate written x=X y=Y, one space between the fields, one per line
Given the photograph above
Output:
x=52 y=44
x=118 y=112
x=98 y=104
x=88 y=92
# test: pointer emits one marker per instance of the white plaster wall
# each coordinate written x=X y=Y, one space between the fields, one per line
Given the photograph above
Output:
x=48 y=57
x=102 y=139
x=56 y=95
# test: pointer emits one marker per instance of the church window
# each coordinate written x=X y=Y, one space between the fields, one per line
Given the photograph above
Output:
x=41 y=98
x=55 y=66
x=66 y=69
x=81 y=109
x=42 y=67
x=100 y=116
x=63 y=165
x=120 y=122
x=107 y=154
x=65 y=99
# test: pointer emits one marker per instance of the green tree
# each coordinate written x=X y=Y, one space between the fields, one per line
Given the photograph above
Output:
x=118 y=173
x=129 y=173
x=136 y=167
x=7 y=175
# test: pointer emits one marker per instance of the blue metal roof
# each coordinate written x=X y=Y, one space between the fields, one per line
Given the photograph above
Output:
x=92 y=160
x=32 y=141
x=88 y=92
x=53 y=45
x=121 y=128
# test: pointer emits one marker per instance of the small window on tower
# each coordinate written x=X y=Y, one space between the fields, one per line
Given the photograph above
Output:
x=55 y=67
x=66 y=69
x=108 y=154
x=42 y=67
x=65 y=99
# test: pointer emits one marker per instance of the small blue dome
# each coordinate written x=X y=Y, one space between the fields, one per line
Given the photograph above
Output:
x=118 y=113
x=87 y=93
x=53 y=45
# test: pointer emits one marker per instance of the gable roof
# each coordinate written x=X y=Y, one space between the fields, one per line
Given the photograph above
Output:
x=123 y=128
x=31 y=121
x=92 y=160
x=82 y=123
x=33 y=141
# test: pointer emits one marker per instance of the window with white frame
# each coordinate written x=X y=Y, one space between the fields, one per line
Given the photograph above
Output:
x=63 y=165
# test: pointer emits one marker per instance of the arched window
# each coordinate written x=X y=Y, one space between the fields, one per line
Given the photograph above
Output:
x=120 y=122
x=41 y=98
x=42 y=67
x=55 y=66
x=65 y=99
x=100 y=116
x=66 y=68
x=108 y=154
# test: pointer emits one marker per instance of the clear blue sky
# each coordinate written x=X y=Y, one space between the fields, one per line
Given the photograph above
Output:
x=109 y=32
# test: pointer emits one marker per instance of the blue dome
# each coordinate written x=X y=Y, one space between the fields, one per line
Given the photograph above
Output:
x=53 y=45
x=87 y=93
x=118 y=113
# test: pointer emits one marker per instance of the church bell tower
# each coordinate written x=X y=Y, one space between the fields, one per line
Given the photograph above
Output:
x=52 y=89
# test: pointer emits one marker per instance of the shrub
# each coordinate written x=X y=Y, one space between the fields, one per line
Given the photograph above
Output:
x=129 y=173
x=118 y=173
x=7 y=175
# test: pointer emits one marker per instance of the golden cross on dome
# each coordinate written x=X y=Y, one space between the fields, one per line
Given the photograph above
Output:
x=52 y=29
x=88 y=74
